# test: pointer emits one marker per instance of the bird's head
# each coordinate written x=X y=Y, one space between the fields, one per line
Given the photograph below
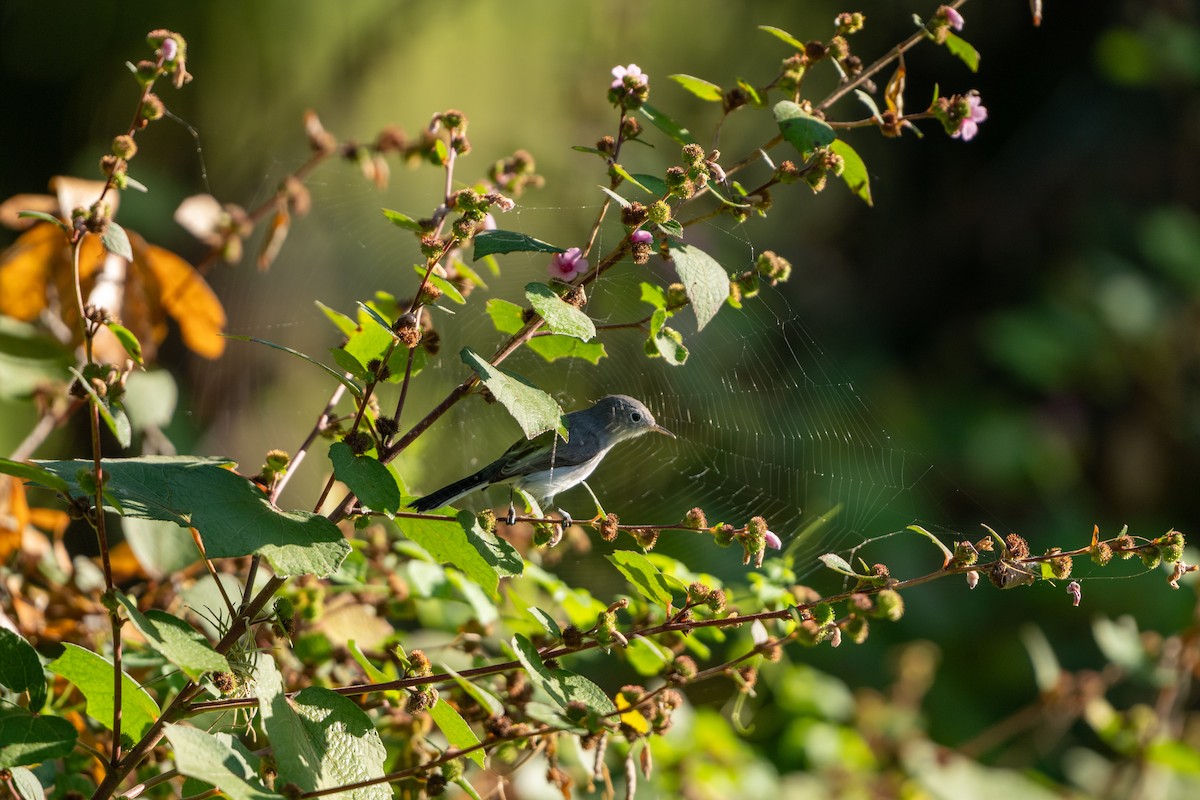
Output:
x=623 y=417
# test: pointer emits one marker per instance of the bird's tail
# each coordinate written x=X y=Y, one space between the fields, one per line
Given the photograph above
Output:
x=448 y=494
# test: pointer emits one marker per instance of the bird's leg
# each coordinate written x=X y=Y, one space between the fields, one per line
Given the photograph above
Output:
x=511 y=519
x=566 y=519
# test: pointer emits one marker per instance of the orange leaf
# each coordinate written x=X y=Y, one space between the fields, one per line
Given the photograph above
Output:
x=184 y=295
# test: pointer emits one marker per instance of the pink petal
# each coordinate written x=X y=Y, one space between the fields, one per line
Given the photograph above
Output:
x=773 y=541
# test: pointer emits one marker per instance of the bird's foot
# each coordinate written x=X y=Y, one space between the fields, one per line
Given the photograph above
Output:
x=567 y=521
x=511 y=519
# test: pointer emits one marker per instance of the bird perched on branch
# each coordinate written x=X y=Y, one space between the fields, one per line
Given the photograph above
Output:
x=546 y=465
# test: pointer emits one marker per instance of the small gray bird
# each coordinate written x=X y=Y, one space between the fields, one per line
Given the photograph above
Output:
x=546 y=465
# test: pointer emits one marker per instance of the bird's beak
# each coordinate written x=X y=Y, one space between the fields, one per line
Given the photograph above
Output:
x=662 y=430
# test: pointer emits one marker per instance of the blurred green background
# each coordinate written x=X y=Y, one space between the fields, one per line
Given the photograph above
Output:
x=1019 y=313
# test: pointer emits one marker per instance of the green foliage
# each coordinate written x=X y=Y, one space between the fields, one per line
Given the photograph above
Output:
x=482 y=556
x=370 y=480
x=801 y=129
x=175 y=640
x=220 y=760
x=92 y=674
x=534 y=410
x=560 y=316
x=232 y=516
x=489 y=242
x=706 y=281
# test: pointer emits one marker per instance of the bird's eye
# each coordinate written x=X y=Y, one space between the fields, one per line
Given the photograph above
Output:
x=636 y=416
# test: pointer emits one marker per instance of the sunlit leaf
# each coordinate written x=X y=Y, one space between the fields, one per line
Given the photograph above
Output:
x=705 y=280
x=534 y=410
x=403 y=220
x=92 y=674
x=456 y=730
x=116 y=241
x=854 y=171
x=963 y=50
x=705 y=90
x=667 y=125
x=220 y=760
x=783 y=36
x=560 y=316
x=175 y=640
x=801 y=129
x=367 y=478
x=232 y=516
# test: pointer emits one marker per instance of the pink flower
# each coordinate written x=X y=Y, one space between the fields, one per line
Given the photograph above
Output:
x=953 y=18
x=641 y=237
x=633 y=72
x=565 y=266
x=169 y=49
x=772 y=540
x=968 y=126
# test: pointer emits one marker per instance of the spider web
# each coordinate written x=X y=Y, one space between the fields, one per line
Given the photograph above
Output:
x=767 y=424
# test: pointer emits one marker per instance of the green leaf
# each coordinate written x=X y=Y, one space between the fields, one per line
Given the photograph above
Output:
x=44 y=217
x=546 y=621
x=488 y=242
x=178 y=642
x=751 y=92
x=220 y=760
x=160 y=547
x=554 y=346
x=486 y=700
x=560 y=316
x=783 y=36
x=838 y=564
x=151 y=398
x=581 y=149
x=233 y=517
x=29 y=360
x=671 y=228
x=27 y=738
x=111 y=411
x=128 y=341
x=340 y=321
x=93 y=675
x=534 y=410
x=705 y=280
x=20 y=669
x=32 y=473
x=946 y=554
x=339 y=377
x=320 y=739
x=646 y=578
x=621 y=201
x=402 y=220
x=367 y=478
x=506 y=317
x=27 y=785
x=373 y=313
x=869 y=102
x=116 y=241
x=667 y=343
x=962 y=48
x=667 y=125
x=617 y=168
x=652 y=183
x=854 y=171
x=349 y=364
x=654 y=295
x=646 y=657
x=448 y=288
x=804 y=131
x=456 y=730
x=483 y=557
x=705 y=90
x=562 y=686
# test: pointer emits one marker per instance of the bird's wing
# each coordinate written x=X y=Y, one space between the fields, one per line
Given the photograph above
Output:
x=541 y=453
